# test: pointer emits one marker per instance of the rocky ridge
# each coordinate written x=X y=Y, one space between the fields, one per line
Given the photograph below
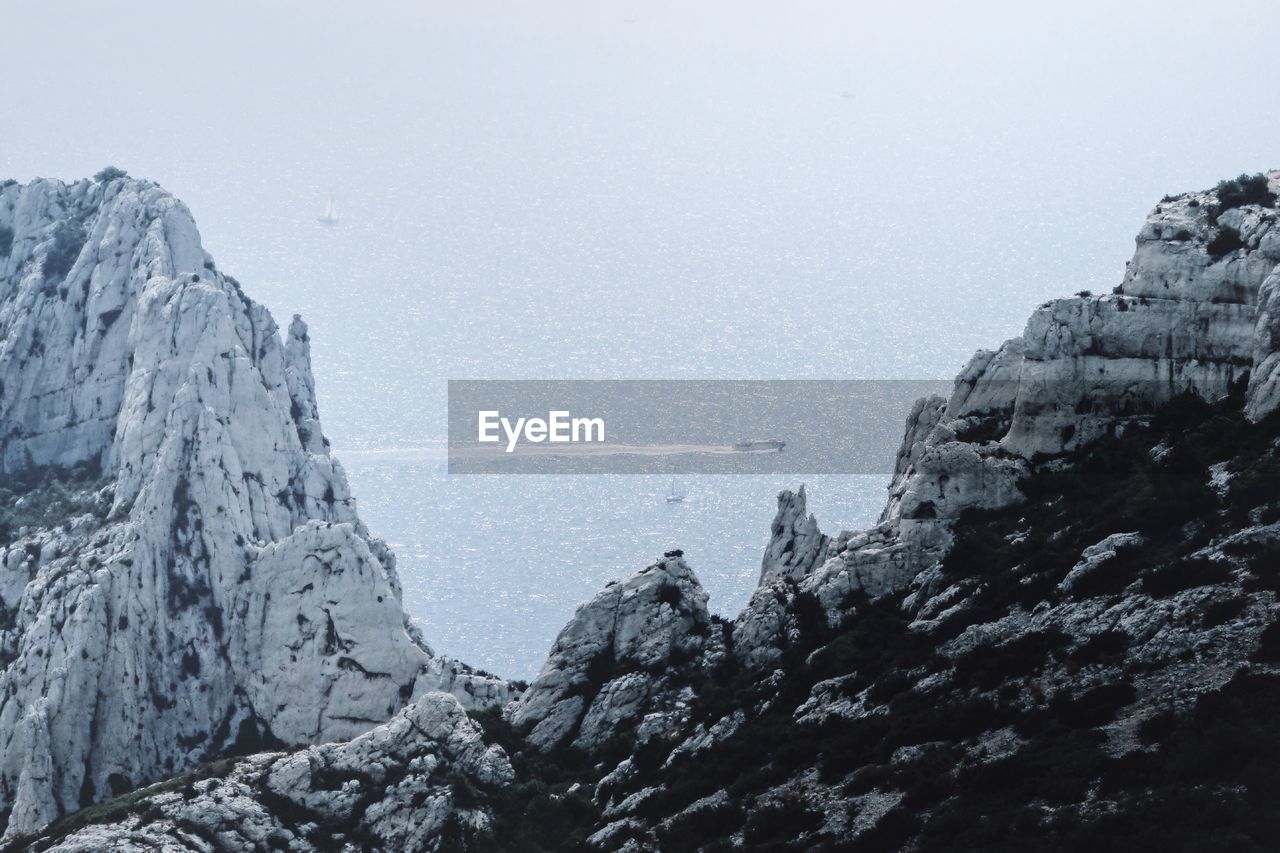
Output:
x=393 y=788
x=1072 y=594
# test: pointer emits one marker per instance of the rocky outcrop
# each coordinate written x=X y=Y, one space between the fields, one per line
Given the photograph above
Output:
x=620 y=660
x=394 y=788
x=229 y=595
x=796 y=542
x=1189 y=317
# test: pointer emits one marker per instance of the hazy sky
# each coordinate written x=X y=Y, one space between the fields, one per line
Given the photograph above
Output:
x=645 y=189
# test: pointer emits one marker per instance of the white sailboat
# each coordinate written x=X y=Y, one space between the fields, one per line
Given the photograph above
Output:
x=674 y=497
x=330 y=215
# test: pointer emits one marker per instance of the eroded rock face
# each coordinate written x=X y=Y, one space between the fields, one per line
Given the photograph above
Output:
x=1186 y=318
x=1189 y=316
x=617 y=658
x=231 y=593
x=391 y=789
x=1264 y=383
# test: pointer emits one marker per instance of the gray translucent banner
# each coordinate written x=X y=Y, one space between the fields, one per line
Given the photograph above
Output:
x=679 y=426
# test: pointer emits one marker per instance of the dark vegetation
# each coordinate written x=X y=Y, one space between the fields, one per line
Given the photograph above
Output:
x=68 y=240
x=6 y=241
x=1246 y=189
x=110 y=173
x=1227 y=240
x=1200 y=787
x=42 y=497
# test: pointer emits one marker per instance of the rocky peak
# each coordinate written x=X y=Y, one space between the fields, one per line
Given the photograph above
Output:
x=796 y=542
x=1186 y=318
x=231 y=595
x=621 y=653
x=1196 y=312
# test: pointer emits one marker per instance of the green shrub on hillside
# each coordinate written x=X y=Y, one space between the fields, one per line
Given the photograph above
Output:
x=48 y=496
x=110 y=173
x=1225 y=241
x=1246 y=189
x=68 y=240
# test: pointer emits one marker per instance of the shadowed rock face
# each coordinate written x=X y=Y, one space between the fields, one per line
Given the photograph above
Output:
x=231 y=593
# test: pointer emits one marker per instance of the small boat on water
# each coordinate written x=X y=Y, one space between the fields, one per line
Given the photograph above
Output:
x=330 y=215
x=772 y=444
x=674 y=497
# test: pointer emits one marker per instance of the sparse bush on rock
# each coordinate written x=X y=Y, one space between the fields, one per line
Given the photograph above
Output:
x=110 y=173
x=1246 y=189
x=1227 y=240
x=68 y=240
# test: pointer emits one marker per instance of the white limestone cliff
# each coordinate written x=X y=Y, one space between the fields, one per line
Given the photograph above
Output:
x=231 y=592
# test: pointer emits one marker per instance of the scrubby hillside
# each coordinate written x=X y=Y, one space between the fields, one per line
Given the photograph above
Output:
x=1094 y=667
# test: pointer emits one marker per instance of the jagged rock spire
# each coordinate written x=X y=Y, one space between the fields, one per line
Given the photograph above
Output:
x=796 y=544
x=232 y=595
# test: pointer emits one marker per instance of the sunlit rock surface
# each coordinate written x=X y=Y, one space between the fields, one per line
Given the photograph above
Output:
x=228 y=593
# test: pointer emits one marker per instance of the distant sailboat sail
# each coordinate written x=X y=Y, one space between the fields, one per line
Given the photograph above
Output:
x=330 y=215
x=674 y=497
